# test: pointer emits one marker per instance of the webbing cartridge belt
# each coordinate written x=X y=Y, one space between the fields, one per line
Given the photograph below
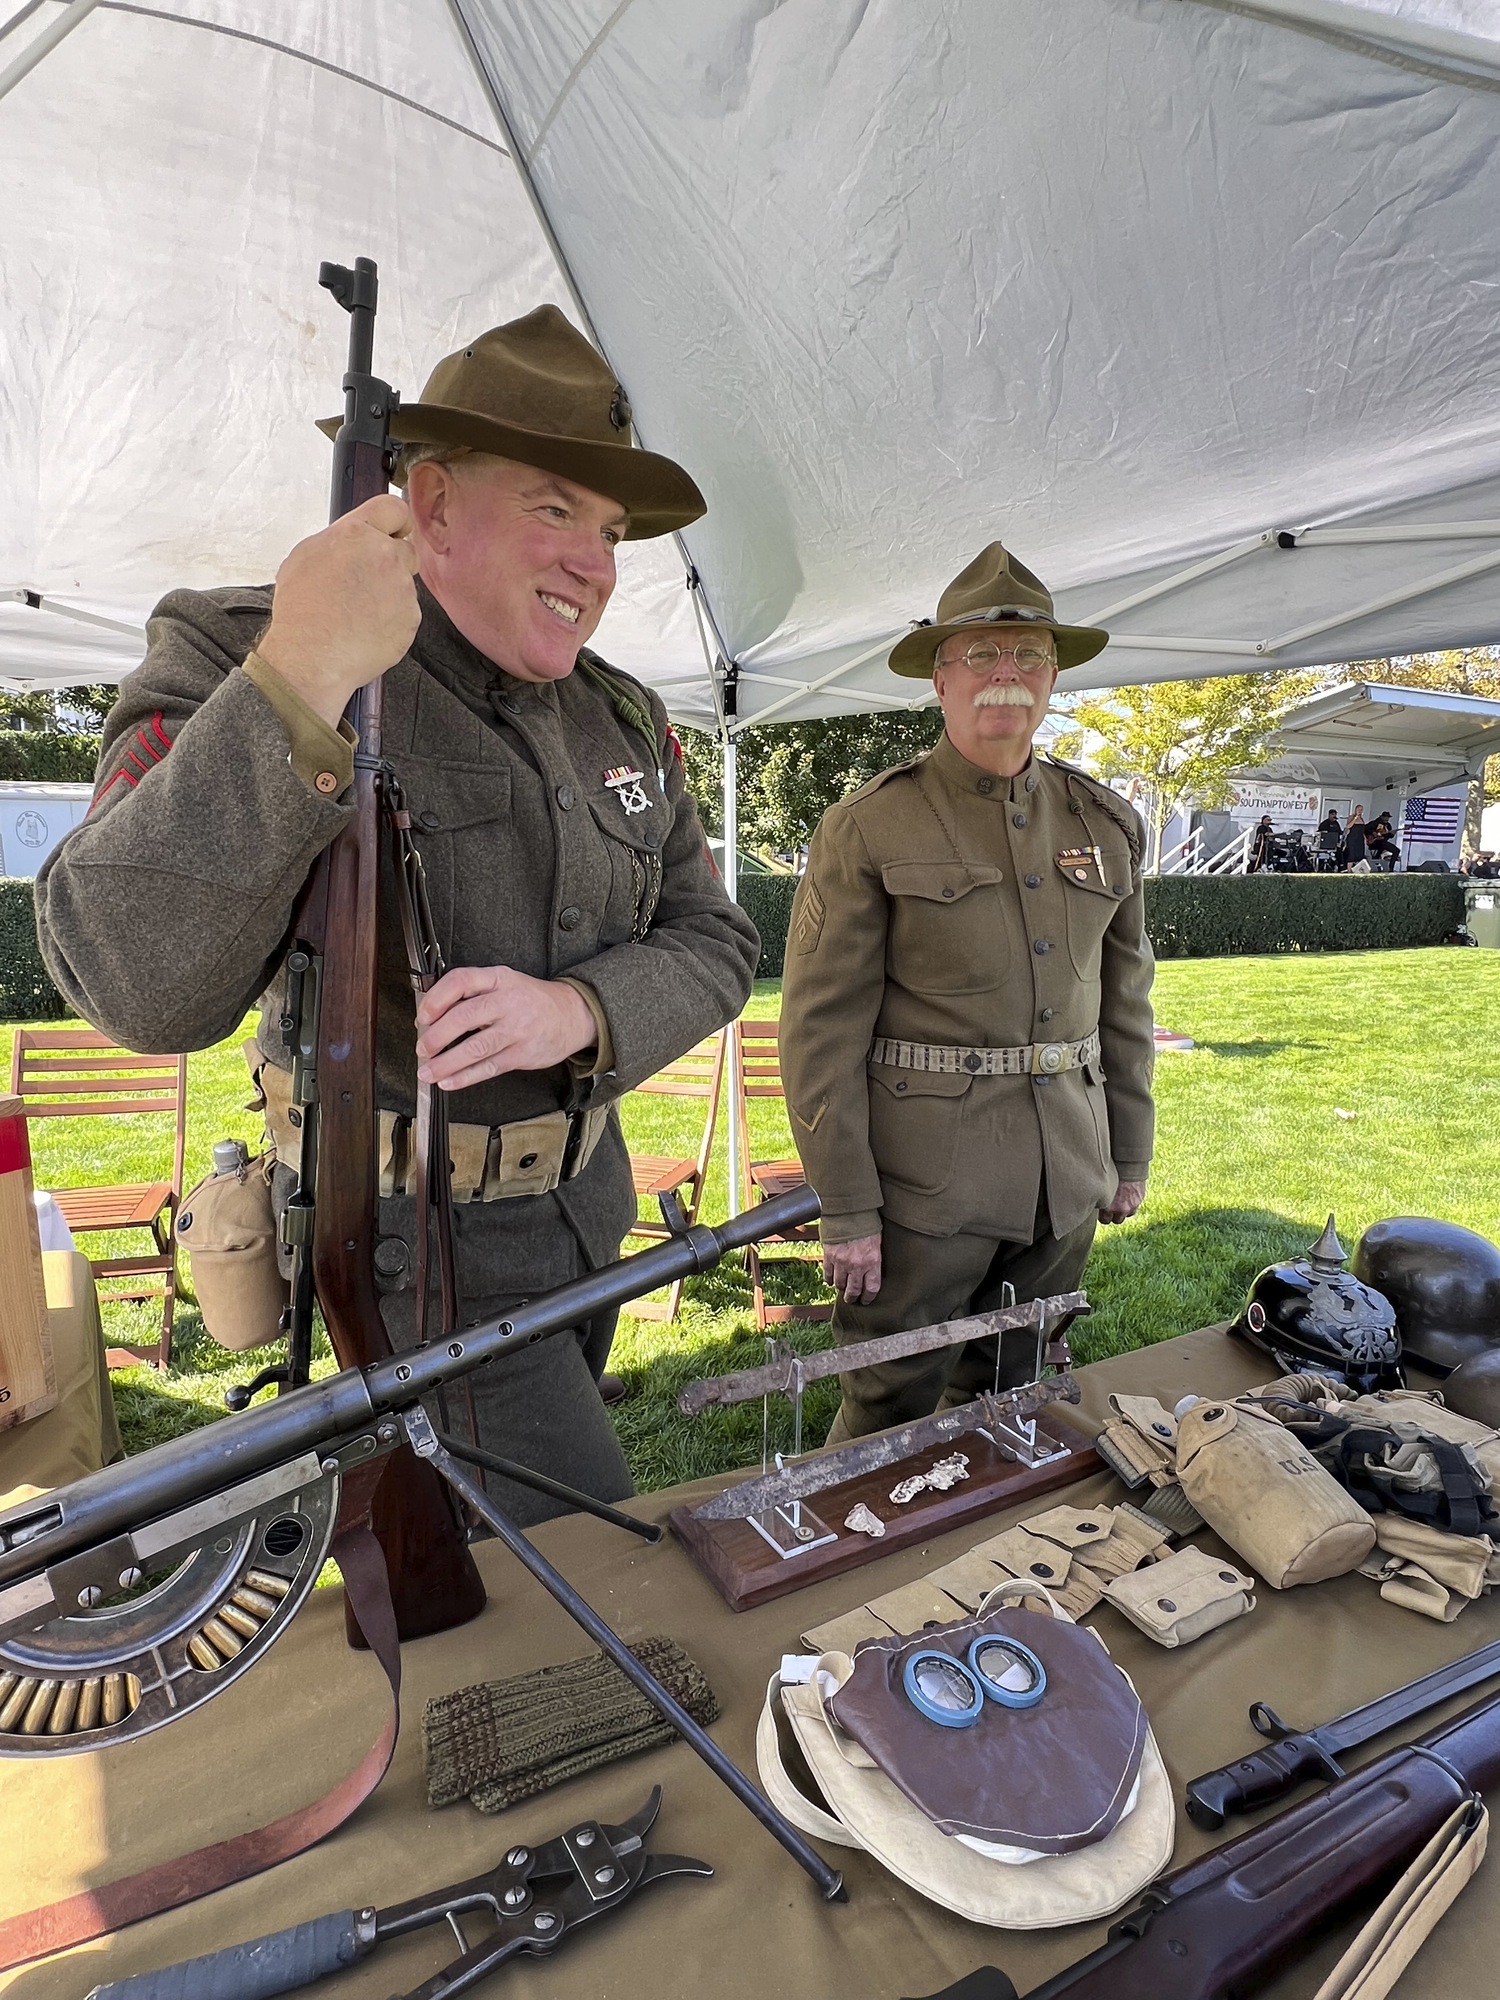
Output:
x=1036 y=1059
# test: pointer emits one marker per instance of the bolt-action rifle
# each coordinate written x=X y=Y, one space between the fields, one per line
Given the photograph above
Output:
x=329 y=1027
x=1223 y=1924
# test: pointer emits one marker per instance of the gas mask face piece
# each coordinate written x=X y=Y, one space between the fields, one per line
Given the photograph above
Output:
x=1312 y=1313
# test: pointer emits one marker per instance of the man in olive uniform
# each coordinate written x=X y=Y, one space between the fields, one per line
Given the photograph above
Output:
x=590 y=936
x=966 y=1034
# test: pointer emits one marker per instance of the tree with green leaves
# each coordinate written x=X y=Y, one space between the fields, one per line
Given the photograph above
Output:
x=791 y=773
x=1181 y=739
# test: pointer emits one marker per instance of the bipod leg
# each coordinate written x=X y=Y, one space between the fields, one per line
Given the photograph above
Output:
x=523 y=1475
x=426 y=1444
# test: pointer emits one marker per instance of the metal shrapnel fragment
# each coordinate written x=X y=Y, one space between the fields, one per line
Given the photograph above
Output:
x=908 y=1489
x=948 y=1471
x=863 y=1521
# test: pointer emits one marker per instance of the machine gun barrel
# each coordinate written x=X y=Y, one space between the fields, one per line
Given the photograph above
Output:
x=1225 y=1922
x=40 y=1534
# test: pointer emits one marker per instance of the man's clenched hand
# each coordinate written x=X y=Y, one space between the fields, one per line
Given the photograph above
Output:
x=345 y=607
x=853 y=1269
x=481 y=1021
x=1126 y=1199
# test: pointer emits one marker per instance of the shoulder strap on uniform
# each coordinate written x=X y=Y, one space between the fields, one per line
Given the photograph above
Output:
x=626 y=697
x=874 y=784
x=1124 y=817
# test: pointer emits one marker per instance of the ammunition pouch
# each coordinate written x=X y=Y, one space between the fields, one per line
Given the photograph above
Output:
x=1182 y=1597
x=228 y=1228
x=488 y=1162
x=1261 y=1490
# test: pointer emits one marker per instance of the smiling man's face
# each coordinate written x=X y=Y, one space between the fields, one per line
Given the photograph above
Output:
x=521 y=560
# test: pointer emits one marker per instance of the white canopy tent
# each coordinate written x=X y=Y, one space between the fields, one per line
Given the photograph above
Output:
x=1191 y=302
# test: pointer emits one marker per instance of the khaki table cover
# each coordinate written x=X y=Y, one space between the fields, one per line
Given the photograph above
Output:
x=300 y=1719
x=79 y=1433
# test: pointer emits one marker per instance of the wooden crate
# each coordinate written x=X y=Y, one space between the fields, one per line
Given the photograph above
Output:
x=28 y=1382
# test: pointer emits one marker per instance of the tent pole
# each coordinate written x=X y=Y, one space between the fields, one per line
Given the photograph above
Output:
x=45 y=42
x=731 y=883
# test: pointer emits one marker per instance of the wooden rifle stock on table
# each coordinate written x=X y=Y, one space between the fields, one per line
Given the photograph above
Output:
x=434 y=1583
x=1221 y=1926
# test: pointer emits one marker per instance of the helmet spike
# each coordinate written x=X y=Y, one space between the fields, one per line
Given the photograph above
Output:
x=1328 y=1254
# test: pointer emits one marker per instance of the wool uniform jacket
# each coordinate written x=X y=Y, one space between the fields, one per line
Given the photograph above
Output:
x=943 y=905
x=166 y=912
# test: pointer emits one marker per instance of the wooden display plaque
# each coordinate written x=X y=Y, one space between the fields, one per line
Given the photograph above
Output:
x=28 y=1383
x=746 y=1570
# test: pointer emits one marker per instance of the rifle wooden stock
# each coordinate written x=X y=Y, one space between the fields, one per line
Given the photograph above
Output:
x=1222 y=1925
x=434 y=1583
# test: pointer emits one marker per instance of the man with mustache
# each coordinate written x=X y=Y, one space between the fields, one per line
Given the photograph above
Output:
x=590 y=938
x=966 y=1022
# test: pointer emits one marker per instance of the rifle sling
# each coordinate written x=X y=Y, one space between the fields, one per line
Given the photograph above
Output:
x=94 y=1912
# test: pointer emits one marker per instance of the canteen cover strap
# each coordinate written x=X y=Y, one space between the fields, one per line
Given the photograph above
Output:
x=1054 y=1777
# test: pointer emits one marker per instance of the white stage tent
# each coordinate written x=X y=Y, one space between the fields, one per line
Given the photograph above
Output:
x=1190 y=302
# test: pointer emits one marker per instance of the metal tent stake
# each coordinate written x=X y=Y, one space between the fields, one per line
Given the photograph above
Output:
x=425 y=1442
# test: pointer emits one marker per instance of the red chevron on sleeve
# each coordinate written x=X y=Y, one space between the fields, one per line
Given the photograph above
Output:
x=152 y=749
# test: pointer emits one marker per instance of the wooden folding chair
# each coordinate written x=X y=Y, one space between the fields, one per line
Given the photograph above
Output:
x=700 y=1073
x=78 y=1073
x=757 y=1073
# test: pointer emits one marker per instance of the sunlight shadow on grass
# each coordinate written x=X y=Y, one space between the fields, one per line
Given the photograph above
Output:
x=1257 y=1048
x=1158 y=1279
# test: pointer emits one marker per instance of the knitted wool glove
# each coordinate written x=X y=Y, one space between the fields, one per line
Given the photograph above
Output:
x=503 y=1741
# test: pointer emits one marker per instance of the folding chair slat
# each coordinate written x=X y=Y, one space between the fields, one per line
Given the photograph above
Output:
x=699 y=1075
x=80 y=1073
x=757 y=1074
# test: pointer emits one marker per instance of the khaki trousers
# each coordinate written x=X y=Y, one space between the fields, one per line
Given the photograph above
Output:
x=927 y=1279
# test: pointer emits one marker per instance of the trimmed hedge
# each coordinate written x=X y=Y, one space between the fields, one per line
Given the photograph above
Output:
x=1187 y=916
x=767 y=902
x=1196 y=916
x=47 y=759
x=26 y=992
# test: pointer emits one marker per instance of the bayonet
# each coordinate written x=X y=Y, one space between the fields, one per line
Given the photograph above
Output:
x=1295 y=1757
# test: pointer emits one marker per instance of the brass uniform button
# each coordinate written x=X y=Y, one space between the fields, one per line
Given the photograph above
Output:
x=1042 y=946
x=326 y=781
x=1046 y=1014
x=985 y=785
x=569 y=918
x=1033 y=881
x=427 y=821
x=565 y=797
x=1018 y=819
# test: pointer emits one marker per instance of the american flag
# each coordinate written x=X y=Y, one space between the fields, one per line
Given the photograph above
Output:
x=1435 y=821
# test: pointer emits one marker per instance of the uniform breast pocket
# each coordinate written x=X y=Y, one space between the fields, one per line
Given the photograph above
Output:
x=948 y=929
x=462 y=820
x=630 y=849
x=1091 y=903
x=915 y=1118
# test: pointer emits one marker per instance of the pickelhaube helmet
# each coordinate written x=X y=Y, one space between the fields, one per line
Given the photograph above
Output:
x=1443 y=1281
x=1312 y=1316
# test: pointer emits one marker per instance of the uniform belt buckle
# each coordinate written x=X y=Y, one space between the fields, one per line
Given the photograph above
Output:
x=1049 y=1057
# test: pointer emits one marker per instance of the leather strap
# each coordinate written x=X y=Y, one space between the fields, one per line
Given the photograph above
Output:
x=94 y=1912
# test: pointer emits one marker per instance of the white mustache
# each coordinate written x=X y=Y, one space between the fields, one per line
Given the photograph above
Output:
x=1008 y=694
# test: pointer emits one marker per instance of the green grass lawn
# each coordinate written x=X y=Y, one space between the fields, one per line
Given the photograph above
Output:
x=1252 y=1154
